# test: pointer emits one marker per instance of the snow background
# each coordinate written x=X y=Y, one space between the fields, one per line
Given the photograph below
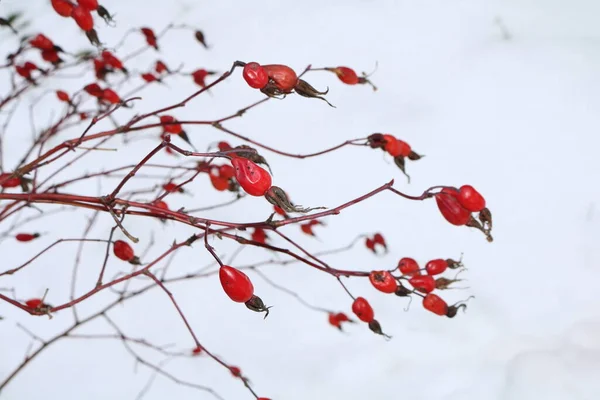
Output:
x=515 y=118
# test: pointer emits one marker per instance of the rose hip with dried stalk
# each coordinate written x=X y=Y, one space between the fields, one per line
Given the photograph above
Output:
x=239 y=288
x=26 y=237
x=395 y=147
x=363 y=310
x=437 y=305
x=277 y=80
x=348 y=76
x=124 y=251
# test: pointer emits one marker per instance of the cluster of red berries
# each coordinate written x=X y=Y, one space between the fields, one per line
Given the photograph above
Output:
x=222 y=177
x=82 y=14
x=49 y=51
x=26 y=70
x=372 y=242
x=458 y=205
x=421 y=280
x=107 y=95
x=395 y=147
x=278 y=80
x=106 y=64
x=160 y=68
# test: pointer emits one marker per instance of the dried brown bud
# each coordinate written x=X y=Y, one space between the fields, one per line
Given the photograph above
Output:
x=277 y=196
x=375 y=326
x=200 y=37
x=400 y=162
x=304 y=89
x=256 y=304
x=414 y=156
x=453 y=310
x=251 y=155
x=92 y=36
x=402 y=291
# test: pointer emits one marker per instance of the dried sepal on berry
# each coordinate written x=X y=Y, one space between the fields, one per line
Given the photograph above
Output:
x=257 y=305
x=304 y=89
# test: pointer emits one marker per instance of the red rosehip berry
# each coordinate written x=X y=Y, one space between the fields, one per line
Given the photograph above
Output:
x=110 y=96
x=236 y=284
x=378 y=239
x=170 y=125
x=219 y=183
x=64 y=8
x=150 y=37
x=6 y=181
x=197 y=351
x=123 y=250
x=161 y=204
x=26 y=237
x=370 y=244
x=255 y=75
x=383 y=281
x=34 y=303
x=423 y=283
x=161 y=67
x=363 y=310
x=408 y=266
x=307 y=227
x=83 y=18
x=436 y=267
x=224 y=146
x=110 y=59
x=435 y=304
x=41 y=42
x=91 y=5
x=30 y=66
x=280 y=211
x=333 y=321
x=235 y=371
x=51 y=56
x=451 y=208
x=342 y=317
x=23 y=72
x=284 y=77
x=259 y=235
x=470 y=198
x=148 y=77
x=346 y=75
x=199 y=77
x=391 y=145
x=171 y=187
x=253 y=179
x=93 y=89
x=226 y=171
x=63 y=96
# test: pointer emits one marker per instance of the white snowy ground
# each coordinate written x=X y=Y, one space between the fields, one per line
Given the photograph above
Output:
x=516 y=118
